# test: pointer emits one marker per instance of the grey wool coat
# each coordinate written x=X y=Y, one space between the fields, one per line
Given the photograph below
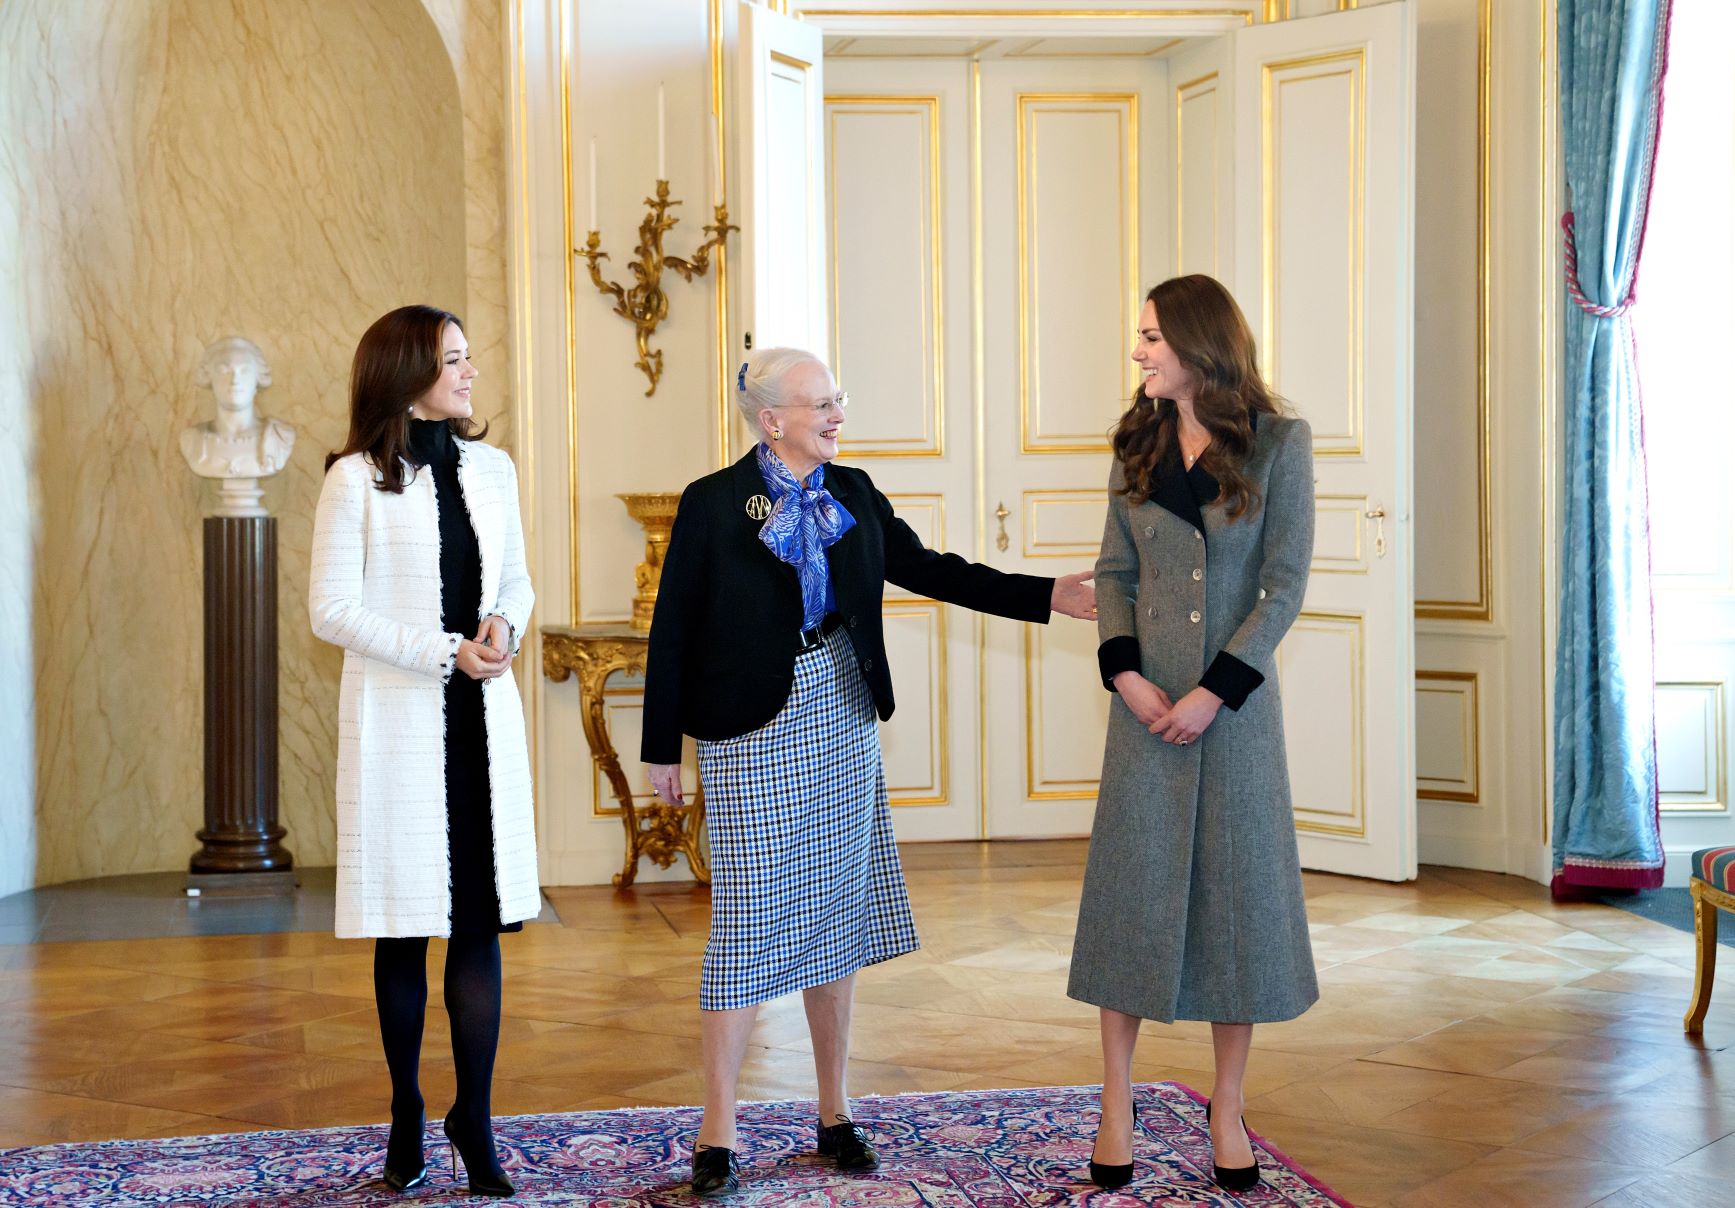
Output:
x=1192 y=905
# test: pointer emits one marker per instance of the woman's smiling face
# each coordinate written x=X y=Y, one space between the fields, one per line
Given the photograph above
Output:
x=449 y=396
x=1164 y=374
x=809 y=421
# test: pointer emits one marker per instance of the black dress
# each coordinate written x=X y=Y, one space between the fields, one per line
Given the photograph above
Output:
x=469 y=813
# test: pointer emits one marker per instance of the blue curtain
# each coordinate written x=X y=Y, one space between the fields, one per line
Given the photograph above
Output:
x=1612 y=55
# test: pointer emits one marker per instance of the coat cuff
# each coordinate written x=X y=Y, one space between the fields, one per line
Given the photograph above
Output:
x=1231 y=679
x=658 y=749
x=1115 y=656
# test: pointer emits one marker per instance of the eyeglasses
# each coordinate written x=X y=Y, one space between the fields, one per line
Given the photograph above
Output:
x=840 y=402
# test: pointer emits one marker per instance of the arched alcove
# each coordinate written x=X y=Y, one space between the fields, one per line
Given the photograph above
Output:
x=175 y=171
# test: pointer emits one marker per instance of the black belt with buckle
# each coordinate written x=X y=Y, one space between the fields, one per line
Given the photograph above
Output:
x=811 y=639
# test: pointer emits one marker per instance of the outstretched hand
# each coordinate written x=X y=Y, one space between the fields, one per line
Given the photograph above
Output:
x=1074 y=596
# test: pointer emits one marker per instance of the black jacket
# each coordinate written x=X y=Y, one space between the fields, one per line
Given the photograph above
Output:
x=728 y=617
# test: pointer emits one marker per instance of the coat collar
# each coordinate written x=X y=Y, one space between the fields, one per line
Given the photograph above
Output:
x=1184 y=492
x=746 y=481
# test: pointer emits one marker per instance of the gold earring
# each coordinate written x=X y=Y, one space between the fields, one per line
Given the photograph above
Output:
x=777 y=434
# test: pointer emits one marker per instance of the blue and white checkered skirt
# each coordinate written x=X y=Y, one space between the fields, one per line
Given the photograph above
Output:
x=805 y=881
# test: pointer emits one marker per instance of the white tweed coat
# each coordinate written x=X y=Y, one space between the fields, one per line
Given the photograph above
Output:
x=375 y=591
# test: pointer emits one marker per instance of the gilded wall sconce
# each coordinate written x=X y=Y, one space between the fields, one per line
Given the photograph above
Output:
x=644 y=304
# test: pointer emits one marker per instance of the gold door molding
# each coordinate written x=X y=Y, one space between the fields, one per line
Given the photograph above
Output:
x=1039 y=785
x=1031 y=107
x=1056 y=504
x=1462 y=690
x=1481 y=606
x=938 y=788
x=1193 y=93
x=1349 y=67
x=1349 y=818
x=926 y=111
x=1331 y=554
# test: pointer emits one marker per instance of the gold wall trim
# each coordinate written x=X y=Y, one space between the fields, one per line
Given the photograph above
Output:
x=1024 y=163
x=979 y=419
x=1547 y=297
x=571 y=316
x=842 y=51
x=1472 y=734
x=939 y=701
x=1193 y=90
x=1719 y=787
x=1481 y=608
x=1336 y=623
x=720 y=288
x=891 y=103
x=1027 y=14
x=1029 y=54
x=1272 y=80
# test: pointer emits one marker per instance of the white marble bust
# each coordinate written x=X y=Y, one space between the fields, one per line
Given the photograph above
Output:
x=238 y=445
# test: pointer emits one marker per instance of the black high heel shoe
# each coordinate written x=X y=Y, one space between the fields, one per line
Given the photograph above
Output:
x=405 y=1167
x=1110 y=1177
x=1235 y=1178
x=481 y=1165
x=716 y=1171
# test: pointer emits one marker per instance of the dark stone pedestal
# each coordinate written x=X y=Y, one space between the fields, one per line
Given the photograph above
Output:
x=241 y=834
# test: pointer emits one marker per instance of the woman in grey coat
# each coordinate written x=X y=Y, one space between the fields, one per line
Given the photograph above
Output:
x=1192 y=905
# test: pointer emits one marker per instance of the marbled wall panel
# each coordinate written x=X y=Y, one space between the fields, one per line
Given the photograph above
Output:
x=282 y=169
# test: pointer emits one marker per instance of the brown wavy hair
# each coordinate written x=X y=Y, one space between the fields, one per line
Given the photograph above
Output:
x=398 y=359
x=1210 y=336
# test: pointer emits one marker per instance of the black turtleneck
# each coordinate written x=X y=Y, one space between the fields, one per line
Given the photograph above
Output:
x=433 y=445
x=469 y=831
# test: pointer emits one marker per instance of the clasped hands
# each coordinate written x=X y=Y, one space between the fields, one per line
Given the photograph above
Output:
x=1178 y=722
x=490 y=654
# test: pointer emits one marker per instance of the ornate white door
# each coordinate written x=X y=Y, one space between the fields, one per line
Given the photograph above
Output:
x=782 y=147
x=1324 y=168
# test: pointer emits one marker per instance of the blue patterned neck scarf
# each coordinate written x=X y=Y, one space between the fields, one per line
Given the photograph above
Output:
x=804 y=521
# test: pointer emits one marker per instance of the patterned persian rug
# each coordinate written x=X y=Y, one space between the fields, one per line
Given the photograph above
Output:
x=996 y=1149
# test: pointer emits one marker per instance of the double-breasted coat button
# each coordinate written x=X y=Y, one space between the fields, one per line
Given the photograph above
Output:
x=1150 y=530
x=1194 y=617
x=1197 y=535
x=1151 y=611
x=852 y=622
x=1198 y=574
x=1261 y=593
x=867 y=664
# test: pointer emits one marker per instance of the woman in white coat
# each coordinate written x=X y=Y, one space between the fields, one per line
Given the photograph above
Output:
x=417 y=546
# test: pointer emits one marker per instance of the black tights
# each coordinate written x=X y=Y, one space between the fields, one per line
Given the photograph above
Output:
x=473 y=1005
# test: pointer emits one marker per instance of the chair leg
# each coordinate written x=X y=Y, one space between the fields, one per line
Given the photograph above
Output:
x=1705 y=967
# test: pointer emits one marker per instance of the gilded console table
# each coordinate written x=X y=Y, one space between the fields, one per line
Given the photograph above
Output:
x=661 y=831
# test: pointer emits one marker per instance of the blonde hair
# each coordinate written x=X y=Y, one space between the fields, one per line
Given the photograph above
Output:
x=759 y=383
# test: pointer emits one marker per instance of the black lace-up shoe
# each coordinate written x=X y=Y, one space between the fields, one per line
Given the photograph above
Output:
x=848 y=1142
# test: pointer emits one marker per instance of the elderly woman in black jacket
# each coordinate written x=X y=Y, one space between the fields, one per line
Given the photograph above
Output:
x=766 y=646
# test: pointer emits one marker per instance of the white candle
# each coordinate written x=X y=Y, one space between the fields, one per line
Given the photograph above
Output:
x=662 y=163
x=593 y=184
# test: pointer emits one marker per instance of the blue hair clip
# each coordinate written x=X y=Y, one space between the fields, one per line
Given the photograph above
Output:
x=741 y=378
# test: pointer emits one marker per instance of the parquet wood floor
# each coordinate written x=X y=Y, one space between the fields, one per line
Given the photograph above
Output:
x=1476 y=1044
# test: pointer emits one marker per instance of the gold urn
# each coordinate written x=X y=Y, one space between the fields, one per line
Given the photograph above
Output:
x=655 y=511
